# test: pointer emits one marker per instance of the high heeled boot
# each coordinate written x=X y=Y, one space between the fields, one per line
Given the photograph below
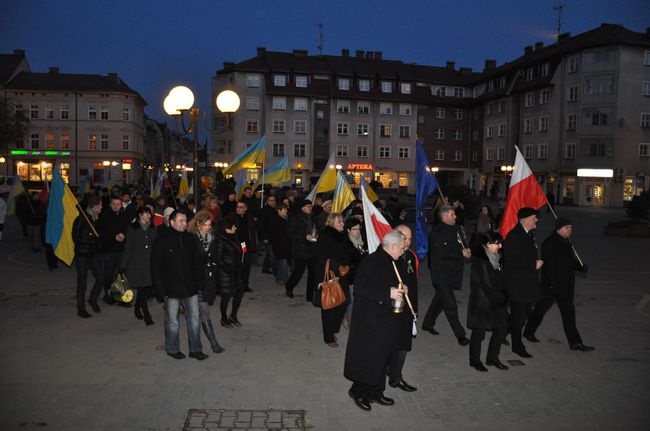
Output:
x=212 y=338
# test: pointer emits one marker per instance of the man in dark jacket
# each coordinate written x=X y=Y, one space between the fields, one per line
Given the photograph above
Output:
x=375 y=330
x=280 y=243
x=520 y=268
x=247 y=239
x=264 y=226
x=112 y=225
x=446 y=261
x=301 y=232
x=558 y=283
x=177 y=274
x=87 y=257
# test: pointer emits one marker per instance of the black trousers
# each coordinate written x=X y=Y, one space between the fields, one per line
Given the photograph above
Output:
x=141 y=301
x=494 y=348
x=444 y=299
x=519 y=312
x=332 y=320
x=236 y=302
x=370 y=392
x=83 y=265
x=246 y=268
x=299 y=267
x=567 y=311
x=111 y=262
x=269 y=261
x=50 y=257
x=396 y=365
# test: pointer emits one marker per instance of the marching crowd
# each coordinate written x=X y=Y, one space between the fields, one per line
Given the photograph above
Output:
x=191 y=255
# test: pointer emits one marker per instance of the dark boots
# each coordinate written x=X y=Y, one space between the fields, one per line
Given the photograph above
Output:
x=212 y=338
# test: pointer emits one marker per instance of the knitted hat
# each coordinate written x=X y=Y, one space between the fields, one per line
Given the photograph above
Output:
x=561 y=222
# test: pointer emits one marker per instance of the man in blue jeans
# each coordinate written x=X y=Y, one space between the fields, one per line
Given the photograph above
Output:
x=178 y=278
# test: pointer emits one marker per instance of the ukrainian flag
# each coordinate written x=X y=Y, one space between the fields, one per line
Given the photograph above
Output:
x=369 y=192
x=250 y=156
x=240 y=183
x=343 y=195
x=61 y=213
x=327 y=180
x=278 y=173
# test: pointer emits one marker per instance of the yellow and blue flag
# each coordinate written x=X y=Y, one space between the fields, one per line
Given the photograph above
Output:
x=327 y=180
x=16 y=190
x=369 y=191
x=250 y=156
x=343 y=194
x=240 y=183
x=278 y=173
x=61 y=213
x=183 y=187
x=84 y=186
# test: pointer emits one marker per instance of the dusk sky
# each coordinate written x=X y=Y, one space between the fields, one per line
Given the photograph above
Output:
x=154 y=45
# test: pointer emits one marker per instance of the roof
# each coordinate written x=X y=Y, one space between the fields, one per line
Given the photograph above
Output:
x=8 y=65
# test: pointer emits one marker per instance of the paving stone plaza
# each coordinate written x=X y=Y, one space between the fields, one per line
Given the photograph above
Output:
x=110 y=372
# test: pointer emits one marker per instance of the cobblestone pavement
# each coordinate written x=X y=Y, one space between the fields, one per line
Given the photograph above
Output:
x=60 y=372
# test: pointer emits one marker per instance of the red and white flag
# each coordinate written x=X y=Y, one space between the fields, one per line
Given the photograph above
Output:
x=376 y=224
x=524 y=191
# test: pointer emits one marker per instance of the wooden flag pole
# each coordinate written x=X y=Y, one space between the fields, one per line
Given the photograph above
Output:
x=83 y=213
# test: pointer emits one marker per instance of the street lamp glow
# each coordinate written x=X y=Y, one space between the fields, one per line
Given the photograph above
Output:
x=181 y=98
x=106 y=163
x=114 y=163
x=2 y=160
x=169 y=109
x=228 y=101
x=339 y=167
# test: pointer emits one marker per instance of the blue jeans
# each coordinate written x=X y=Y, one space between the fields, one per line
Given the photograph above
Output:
x=191 y=305
x=281 y=270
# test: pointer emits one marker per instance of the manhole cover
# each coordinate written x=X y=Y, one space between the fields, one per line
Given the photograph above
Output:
x=223 y=420
x=515 y=362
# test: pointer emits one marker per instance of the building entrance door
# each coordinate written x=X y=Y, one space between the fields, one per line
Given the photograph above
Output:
x=594 y=195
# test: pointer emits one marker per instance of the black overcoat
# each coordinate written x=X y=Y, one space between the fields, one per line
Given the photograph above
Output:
x=136 y=257
x=278 y=237
x=487 y=305
x=331 y=245
x=408 y=266
x=375 y=329
x=176 y=267
x=446 y=257
x=558 y=277
x=229 y=263
x=519 y=266
x=299 y=225
x=209 y=260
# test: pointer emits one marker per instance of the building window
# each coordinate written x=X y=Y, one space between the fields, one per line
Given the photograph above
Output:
x=501 y=106
x=300 y=127
x=65 y=113
x=502 y=82
x=646 y=58
x=542 y=151
x=544 y=69
x=458 y=114
x=405 y=109
x=491 y=85
x=458 y=135
x=440 y=112
x=300 y=104
x=103 y=142
x=570 y=151
x=363 y=107
x=278 y=126
x=364 y=85
x=501 y=153
x=475 y=135
x=599 y=119
x=543 y=123
x=64 y=140
x=489 y=154
x=278 y=150
x=440 y=91
x=126 y=142
x=403 y=153
x=439 y=134
x=405 y=87
x=103 y=114
x=596 y=150
x=439 y=155
x=301 y=81
x=544 y=96
x=362 y=129
x=92 y=113
x=489 y=132
x=126 y=114
x=475 y=156
x=645 y=119
x=457 y=156
x=528 y=152
x=50 y=141
x=572 y=95
x=344 y=83
x=501 y=131
x=528 y=125
x=252 y=103
x=33 y=112
x=574 y=64
x=362 y=151
x=320 y=115
x=342 y=128
x=645 y=91
x=529 y=100
x=34 y=141
x=299 y=150
x=644 y=150
x=343 y=106
x=529 y=74
x=279 y=103
x=384 y=152
x=49 y=113
x=341 y=151
x=489 y=109
x=280 y=80
x=404 y=131
x=251 y=126
x=386 y=108
x=459 y=92
x=386 y=87
x=252 y=81
x=92 y=141
x=594 y=87
x=385 y=130
x=571 y=121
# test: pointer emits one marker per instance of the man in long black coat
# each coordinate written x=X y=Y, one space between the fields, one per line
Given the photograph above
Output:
x=375 y=330
x=558 y=283
x=520 y=270
x=300 y=229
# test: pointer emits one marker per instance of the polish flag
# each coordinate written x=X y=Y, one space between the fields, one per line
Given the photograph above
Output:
x=524 y=191
x=158 y=219
x=376 y=224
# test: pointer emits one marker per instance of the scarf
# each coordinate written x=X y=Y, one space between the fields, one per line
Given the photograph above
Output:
x=206 y=240
x=357 y=243
x=494 y=259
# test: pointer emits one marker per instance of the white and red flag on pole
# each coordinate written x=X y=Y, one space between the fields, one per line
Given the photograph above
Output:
x=376 y=224
x=524 y=191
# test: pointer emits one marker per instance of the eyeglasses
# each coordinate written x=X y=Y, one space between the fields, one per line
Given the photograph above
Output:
x=356 y=228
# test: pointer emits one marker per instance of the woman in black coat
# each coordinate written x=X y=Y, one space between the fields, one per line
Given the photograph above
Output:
x=331 y=246
x=487 y=305
x=136 y=261
x=229 y=263
x=201 y=227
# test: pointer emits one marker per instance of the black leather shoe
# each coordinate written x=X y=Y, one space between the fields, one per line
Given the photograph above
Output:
x=430 y=329
x=581 y=347
x=234 y=321
x=403 y=386
x=248 y=289
x=361 y=402
x=289 y=292
x=463 y=341
x=108 y=300
x=497 y=364
x=148 y=321
x=94 y=306
x=531 y=338
x=522 y=352
x=138 y=314
x=83 y=314
x=198 y=355
x=384 y=401
x=478 y=366
x=226 y=323
x=177 y=355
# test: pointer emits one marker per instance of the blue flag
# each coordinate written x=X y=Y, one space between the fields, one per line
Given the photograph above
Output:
x=425 y=183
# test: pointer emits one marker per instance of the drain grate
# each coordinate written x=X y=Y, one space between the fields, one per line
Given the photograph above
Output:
x=262 y=420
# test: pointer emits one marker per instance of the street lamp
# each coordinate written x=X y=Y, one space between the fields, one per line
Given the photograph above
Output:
x=507 y=170
x=180 y=100
x=339 y=167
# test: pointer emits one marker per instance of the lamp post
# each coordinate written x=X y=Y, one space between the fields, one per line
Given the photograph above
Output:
x=180 y=100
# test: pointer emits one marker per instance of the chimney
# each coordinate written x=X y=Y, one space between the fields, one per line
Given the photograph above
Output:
x=528 y=49
x=359 y=53
x=228 y=64
x=54 y=71
x=451 y=65
x=489 y=65
x=370 y=55
x=647 y=32
x=465 y=70
x=300 y=53
x=564 y=36
x=539 y=45
x=113 y=77
x=377 y=55
x=345 y=53
x=261 y=51
x=19 y=52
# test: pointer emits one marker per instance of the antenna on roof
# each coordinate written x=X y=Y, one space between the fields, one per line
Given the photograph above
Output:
x=320 y=40
x=559 y=8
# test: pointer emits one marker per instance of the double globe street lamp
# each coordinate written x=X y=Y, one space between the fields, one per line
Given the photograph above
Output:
x=179 y=101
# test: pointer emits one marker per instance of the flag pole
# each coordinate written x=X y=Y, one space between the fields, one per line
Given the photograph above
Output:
x=263 y=167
